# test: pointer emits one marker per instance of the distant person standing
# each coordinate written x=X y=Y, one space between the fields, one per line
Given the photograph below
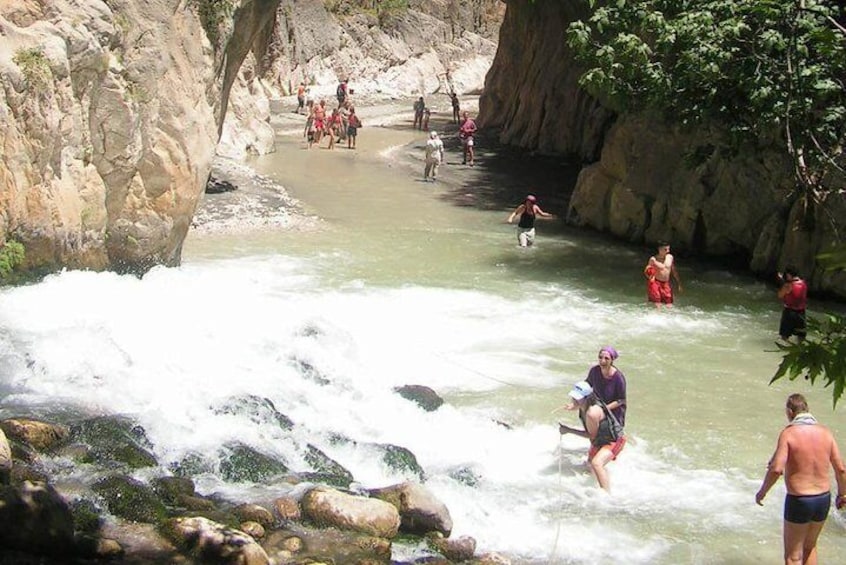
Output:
x=793 y=292
x=528 y=212
x=309 y=125
x=467 y=134
x=803 y=454
x=341 y=92
x=434 y=156
x=659 y=269
x=352 y=128
x=456 y=108
x=419 y=108
x=301 y=98
x=427 y=114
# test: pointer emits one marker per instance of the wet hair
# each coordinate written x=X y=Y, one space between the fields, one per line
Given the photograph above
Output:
x=663 y=243
x=797 y=404
x=791 y=270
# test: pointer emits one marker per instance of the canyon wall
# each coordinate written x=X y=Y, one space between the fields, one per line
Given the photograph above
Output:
x=112 y=111
x=637 y=182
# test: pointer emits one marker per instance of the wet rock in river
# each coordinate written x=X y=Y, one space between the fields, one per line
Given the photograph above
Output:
x=131 y=499
x=421 y=512
x=210 y=542
x=36 y=519
x=258 y=409
x=219 y=186
x=424 y=396
x=241 y=463
x=329 y=507
x=38 y=435
x=114 y=439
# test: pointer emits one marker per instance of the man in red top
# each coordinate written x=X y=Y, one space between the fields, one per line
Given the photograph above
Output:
x=793 y=292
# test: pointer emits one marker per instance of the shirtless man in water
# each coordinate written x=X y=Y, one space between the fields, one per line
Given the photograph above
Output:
x=805 y=450
x=658 y=289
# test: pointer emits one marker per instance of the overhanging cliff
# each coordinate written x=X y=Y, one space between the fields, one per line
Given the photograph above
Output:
x=637 y=182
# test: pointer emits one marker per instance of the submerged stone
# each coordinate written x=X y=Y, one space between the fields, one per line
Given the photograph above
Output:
x=242 y=463
x=114 y=439
x=130 y=499
x=258 y=409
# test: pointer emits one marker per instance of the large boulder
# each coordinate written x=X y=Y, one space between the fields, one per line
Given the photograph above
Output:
x=40 y=436
x=299 y=543
x=420 y=511
x=459 y=550
x=210 y=542
x=36 y=519
x=329 y=507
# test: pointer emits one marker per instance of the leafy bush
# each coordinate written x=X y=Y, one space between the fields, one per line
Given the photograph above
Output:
x=34 y=65
x=11 y=255
x=213 y=15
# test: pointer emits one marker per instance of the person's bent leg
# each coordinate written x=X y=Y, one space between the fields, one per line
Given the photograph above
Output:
x=597 y=465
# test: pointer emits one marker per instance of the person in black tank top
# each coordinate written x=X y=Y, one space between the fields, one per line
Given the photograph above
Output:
x=528 y=212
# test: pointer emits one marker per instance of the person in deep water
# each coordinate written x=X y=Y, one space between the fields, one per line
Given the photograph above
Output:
x=605 y=443
x=528 y=212
x=793 y=293
x=803 y=454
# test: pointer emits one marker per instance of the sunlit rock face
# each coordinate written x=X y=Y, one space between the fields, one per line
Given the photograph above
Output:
x=638 y=181
x=111 y=111
x=108 y=129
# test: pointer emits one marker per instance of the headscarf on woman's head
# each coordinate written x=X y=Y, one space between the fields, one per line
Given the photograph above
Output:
x=610 y=351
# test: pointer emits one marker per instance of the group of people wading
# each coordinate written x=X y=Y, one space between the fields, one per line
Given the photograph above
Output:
x=339 y=125
x=805 y=450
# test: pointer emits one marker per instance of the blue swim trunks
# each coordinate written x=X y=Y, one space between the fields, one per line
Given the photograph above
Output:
x=804 y=509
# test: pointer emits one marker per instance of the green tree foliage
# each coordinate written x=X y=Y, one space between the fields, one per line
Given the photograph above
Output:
x=764 y=72
x=759 y=69
x=215 y=16
x=821 y=356
x=11 y=255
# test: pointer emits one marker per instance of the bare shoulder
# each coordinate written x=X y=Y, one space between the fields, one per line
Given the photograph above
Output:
x=594 y=412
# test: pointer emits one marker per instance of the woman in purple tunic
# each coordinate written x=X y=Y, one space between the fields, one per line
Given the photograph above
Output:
x=609 y=383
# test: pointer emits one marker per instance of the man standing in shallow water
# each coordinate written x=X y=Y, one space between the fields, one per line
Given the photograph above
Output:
x=804 y=451
x=659 y=269
x=793 y=292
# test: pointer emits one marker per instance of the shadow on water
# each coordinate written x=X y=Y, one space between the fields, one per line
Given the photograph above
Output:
x=503 y=174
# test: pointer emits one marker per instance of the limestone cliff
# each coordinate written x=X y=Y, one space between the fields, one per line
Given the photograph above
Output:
x=108 y=129
x=636 y=183
x=111 y=111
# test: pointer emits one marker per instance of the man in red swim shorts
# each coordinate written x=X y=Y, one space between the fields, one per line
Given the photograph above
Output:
x=658 y=271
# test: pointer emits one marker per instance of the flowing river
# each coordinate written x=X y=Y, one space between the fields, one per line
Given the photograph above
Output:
x=402 y=282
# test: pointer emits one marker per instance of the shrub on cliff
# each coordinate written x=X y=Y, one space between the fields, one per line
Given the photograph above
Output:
x=11 y=255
